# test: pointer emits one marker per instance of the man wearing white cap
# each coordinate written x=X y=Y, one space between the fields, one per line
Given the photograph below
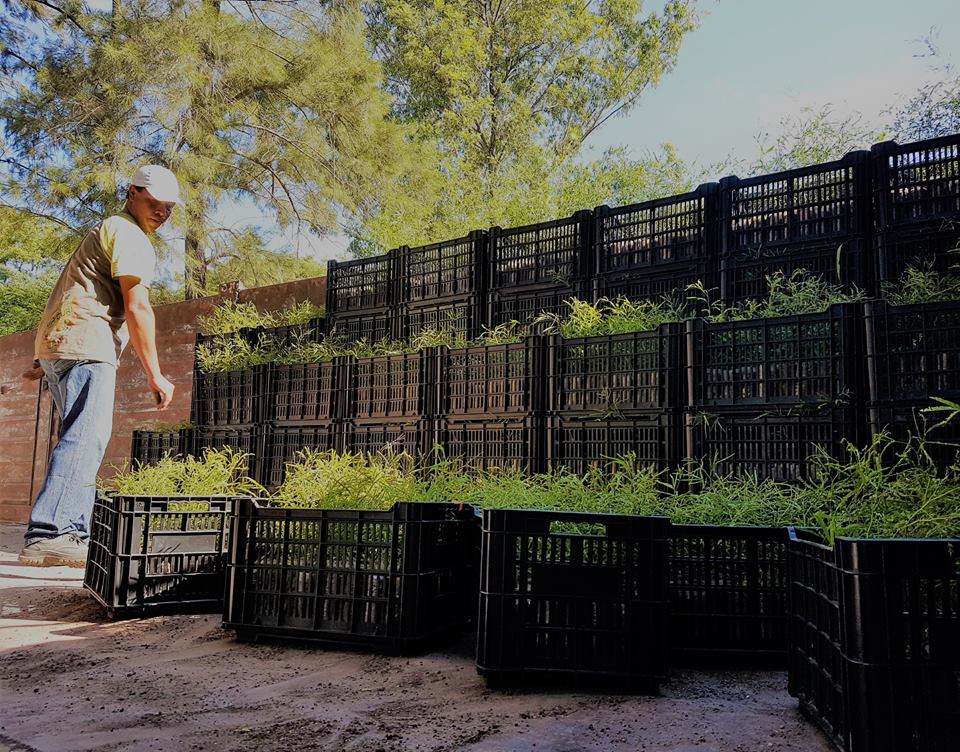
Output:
x=99 y=302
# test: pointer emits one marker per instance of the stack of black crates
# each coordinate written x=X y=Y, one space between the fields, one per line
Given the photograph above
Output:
x=754 y=396
x=762 y=393
x=913 y=351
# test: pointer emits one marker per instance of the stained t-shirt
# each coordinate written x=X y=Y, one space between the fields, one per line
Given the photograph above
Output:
x=84 y=318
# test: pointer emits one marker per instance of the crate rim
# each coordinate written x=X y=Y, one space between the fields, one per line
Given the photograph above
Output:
x=703 y=190
x=577 y=216
x=854 y=157
x=853 y=539
x=892 y=146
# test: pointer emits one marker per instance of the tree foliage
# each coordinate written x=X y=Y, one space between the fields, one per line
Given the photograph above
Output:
x=935 y=109
x=275 y=102
x=454 y=200
x=32 y=251
x=504 y=94
x=23 y=298
x=490 y=79
x=812 y=137
x=245 y=257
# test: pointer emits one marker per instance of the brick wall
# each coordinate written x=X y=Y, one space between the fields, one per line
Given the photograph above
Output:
x=26 y=412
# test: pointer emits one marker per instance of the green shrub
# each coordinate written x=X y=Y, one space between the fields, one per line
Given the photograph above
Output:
x=231 y=316
x=218 y=472
x=327 y=480
x=792 y=295
x=922 y=285
x=618 y=316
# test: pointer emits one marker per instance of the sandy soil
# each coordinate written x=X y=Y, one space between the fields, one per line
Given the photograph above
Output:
x=71 y=680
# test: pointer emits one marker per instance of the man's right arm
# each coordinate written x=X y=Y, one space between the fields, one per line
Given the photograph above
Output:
x=142 y=326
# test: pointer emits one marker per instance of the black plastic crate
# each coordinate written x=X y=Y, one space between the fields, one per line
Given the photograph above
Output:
x=556 y=601
x=743 y=275
x=901 y=619
x=362 y=284
x=670 y=281
x=246 y=439
x=279 y=337
x=548 y=254
x=449 y=269
x=615 y=374
x=372 y=326
x=381 y=436
x=577 y=443
x=913 y=352
x=777 y=443
x=817 y=667
x=148 y=447
x=463 y=317
x=829 y=201
x=666 y=232
x=152 y=554
x=523 y=307
x=933 y=248
x=493 y=379
x=899 y=640
x=229 y=398
x=281 y=443
x=394 y=581
x=813 y=358
x=248 y=334
x=304 y=391
x=728 y=593
x=906 y=422
x=276 y=337
x=391 y=386
x=489 y=443
x=815 y=218
x=916 y=182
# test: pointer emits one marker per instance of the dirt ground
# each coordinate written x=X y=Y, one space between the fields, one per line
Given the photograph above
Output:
x=71 y=680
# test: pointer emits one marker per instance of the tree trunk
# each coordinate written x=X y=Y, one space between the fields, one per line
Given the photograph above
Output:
x=194 y=259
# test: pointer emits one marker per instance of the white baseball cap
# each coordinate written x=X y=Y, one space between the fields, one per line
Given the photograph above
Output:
x=161 y=183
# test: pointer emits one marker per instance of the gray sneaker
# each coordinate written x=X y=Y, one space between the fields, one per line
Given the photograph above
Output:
x=67 y=550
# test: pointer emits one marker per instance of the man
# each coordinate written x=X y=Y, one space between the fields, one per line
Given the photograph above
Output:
x=101 y=294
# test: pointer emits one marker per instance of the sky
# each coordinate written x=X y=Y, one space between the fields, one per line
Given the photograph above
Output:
x=753 y=63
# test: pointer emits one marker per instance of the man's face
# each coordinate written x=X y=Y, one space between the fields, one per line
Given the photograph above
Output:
x=148 y=212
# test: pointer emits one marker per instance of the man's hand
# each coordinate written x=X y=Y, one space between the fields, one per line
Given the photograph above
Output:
x=162 y=391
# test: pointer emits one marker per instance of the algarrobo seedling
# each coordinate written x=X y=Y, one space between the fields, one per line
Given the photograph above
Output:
x=160 y=427
x=327 y=480
x=865 y=496
x=792 y=295
x=612 y=316
x=922 y=285
x=218 y=472
x=230 y=316
x=233 y=352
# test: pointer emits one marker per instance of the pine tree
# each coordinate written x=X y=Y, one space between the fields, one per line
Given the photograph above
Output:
x=507 y=93
x=273 y=102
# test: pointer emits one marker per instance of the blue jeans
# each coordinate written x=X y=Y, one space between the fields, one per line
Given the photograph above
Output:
x=82 y=392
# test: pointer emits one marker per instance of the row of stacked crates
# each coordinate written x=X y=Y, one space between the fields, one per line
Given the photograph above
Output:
x=755 y=396
x=860 y=221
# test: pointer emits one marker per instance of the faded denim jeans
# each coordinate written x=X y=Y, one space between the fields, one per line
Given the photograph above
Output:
x=83 y=393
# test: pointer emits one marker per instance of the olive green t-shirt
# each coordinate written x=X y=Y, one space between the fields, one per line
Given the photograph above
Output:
x=84 y=318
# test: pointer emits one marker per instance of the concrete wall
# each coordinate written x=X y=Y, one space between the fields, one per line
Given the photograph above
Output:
x=25 y=407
